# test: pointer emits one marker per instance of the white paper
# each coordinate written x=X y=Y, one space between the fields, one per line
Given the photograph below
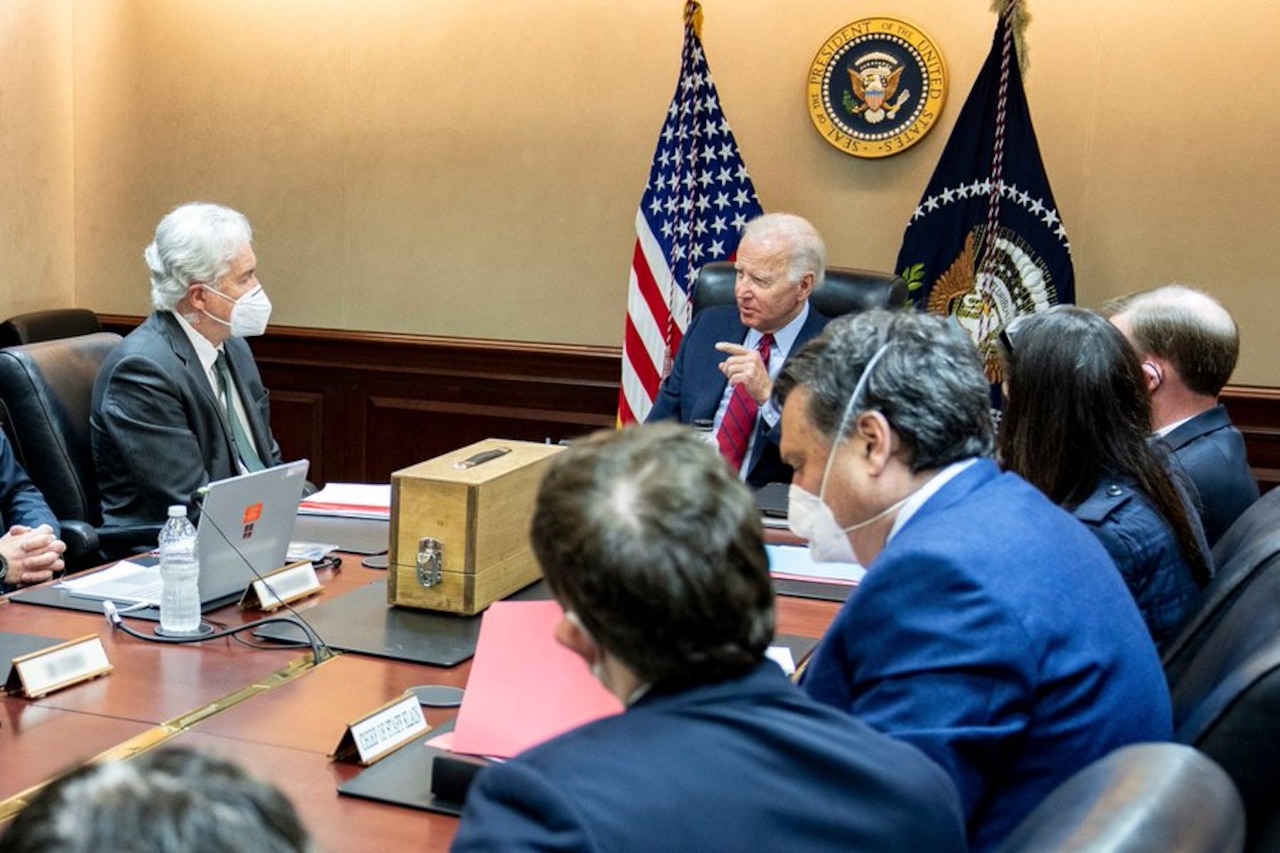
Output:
x=794 y=561
x=781 y=655
x=350 y=500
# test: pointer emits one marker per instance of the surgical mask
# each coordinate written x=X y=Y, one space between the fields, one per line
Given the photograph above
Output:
x=249 y=313
x=596 y=666
x=808 y=514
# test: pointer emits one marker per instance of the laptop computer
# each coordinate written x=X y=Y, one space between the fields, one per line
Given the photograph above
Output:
x=245 y=526
x=772 y=499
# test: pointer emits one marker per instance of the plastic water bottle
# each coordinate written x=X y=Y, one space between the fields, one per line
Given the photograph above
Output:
x=179 y=575
x=702 y=427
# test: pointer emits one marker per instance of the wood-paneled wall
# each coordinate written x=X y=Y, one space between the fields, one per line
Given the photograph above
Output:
x=360 y=405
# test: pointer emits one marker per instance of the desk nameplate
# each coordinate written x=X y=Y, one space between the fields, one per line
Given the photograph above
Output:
x=42 y=672
x=281 y=587
x=382 y=732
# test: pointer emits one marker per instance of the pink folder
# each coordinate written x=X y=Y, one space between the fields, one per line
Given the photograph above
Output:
x=525 y=687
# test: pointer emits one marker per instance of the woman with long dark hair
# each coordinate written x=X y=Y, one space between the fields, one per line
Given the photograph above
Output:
x=1077 y=424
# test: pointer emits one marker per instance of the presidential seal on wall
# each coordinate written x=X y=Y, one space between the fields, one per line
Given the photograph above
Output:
x=876 y=87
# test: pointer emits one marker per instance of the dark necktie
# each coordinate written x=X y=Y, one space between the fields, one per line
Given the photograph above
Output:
x=740 y=415
x=239 y=436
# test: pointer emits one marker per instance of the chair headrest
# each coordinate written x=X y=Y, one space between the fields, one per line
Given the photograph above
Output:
x=47 y=325
x=845 y=290
x=47 y=394
x=1147 y=796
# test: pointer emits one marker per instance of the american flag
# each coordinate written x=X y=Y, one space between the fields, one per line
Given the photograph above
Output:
x=698 y=198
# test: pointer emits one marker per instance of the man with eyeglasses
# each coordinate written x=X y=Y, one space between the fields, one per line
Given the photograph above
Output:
x=180 y=402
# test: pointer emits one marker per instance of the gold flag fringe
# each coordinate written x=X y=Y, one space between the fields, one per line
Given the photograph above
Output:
x=693 y=15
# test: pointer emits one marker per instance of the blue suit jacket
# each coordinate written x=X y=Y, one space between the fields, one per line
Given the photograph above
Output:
x=746 y=764
x=693 y=389
x=20 y=500
x=1212 y=452
x=158 y=432
x=994 y=632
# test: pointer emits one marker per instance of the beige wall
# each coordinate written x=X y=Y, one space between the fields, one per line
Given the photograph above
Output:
x=472 y=167
x=36 y=179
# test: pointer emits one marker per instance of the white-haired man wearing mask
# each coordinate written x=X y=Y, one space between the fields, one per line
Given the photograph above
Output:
x=180 y=402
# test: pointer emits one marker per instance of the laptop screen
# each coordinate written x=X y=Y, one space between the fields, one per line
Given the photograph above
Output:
x=245 y=526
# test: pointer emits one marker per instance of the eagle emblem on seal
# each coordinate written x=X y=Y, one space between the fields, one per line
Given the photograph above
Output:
x=874 y=79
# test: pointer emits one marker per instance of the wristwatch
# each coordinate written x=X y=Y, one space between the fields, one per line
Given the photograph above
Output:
x=4 y=568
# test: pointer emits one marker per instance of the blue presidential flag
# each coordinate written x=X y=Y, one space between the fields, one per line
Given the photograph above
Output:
x=986 y=243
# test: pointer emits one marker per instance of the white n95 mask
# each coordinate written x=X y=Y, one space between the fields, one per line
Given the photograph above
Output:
x=808 y=514
x=249 y=314
x=810 y=518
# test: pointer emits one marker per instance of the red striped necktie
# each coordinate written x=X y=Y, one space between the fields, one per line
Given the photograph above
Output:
x=740 y=415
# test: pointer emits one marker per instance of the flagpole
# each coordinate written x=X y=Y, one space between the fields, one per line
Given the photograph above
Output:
x=698 y=197
x=986 y=255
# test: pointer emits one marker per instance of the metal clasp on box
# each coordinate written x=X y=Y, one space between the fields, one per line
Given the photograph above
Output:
x=430 y=554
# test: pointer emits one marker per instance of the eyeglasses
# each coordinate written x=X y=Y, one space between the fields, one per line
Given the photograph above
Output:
x=1009 y=332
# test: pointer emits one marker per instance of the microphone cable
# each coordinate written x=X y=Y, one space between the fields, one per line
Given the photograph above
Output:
x=320 y=650
x=313 y=637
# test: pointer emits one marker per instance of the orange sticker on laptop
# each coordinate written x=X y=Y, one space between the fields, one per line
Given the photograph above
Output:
x=252 y=513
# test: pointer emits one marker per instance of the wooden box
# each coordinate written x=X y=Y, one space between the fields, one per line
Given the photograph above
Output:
x=480 y=514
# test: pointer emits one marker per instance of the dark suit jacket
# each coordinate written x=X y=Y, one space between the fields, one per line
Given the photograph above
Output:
x=994 y=632
x=747 y=764
x=1212 y=452
x=158 y=431
x=695 y=385
x=1145 y=550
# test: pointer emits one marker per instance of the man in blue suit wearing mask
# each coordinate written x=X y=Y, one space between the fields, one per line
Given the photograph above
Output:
x=991 y=630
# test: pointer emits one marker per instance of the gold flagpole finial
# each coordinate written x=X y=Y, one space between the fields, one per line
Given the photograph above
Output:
x=693 y=15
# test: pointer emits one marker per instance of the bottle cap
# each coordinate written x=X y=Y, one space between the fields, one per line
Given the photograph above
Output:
x=178 y=511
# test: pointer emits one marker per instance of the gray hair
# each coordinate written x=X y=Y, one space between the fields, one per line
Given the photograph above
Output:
x=928 y=384
x=194 y=242
x=806 y=251
x=173 y=798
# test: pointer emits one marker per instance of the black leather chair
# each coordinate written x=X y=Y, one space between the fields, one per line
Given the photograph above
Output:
x=1250 y=542
x=1226 y=701
x=46 y=393
x=1261 y=518
x=48 y=325
x=1143 y=798
x=845 y=291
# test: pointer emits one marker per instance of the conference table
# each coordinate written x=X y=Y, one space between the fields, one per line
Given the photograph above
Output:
x=272 y=709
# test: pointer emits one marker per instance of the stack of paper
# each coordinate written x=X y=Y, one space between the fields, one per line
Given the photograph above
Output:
x=792 y=562
x=350 y=500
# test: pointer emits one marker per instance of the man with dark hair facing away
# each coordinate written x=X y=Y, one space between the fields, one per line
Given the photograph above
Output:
x=655 y=550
